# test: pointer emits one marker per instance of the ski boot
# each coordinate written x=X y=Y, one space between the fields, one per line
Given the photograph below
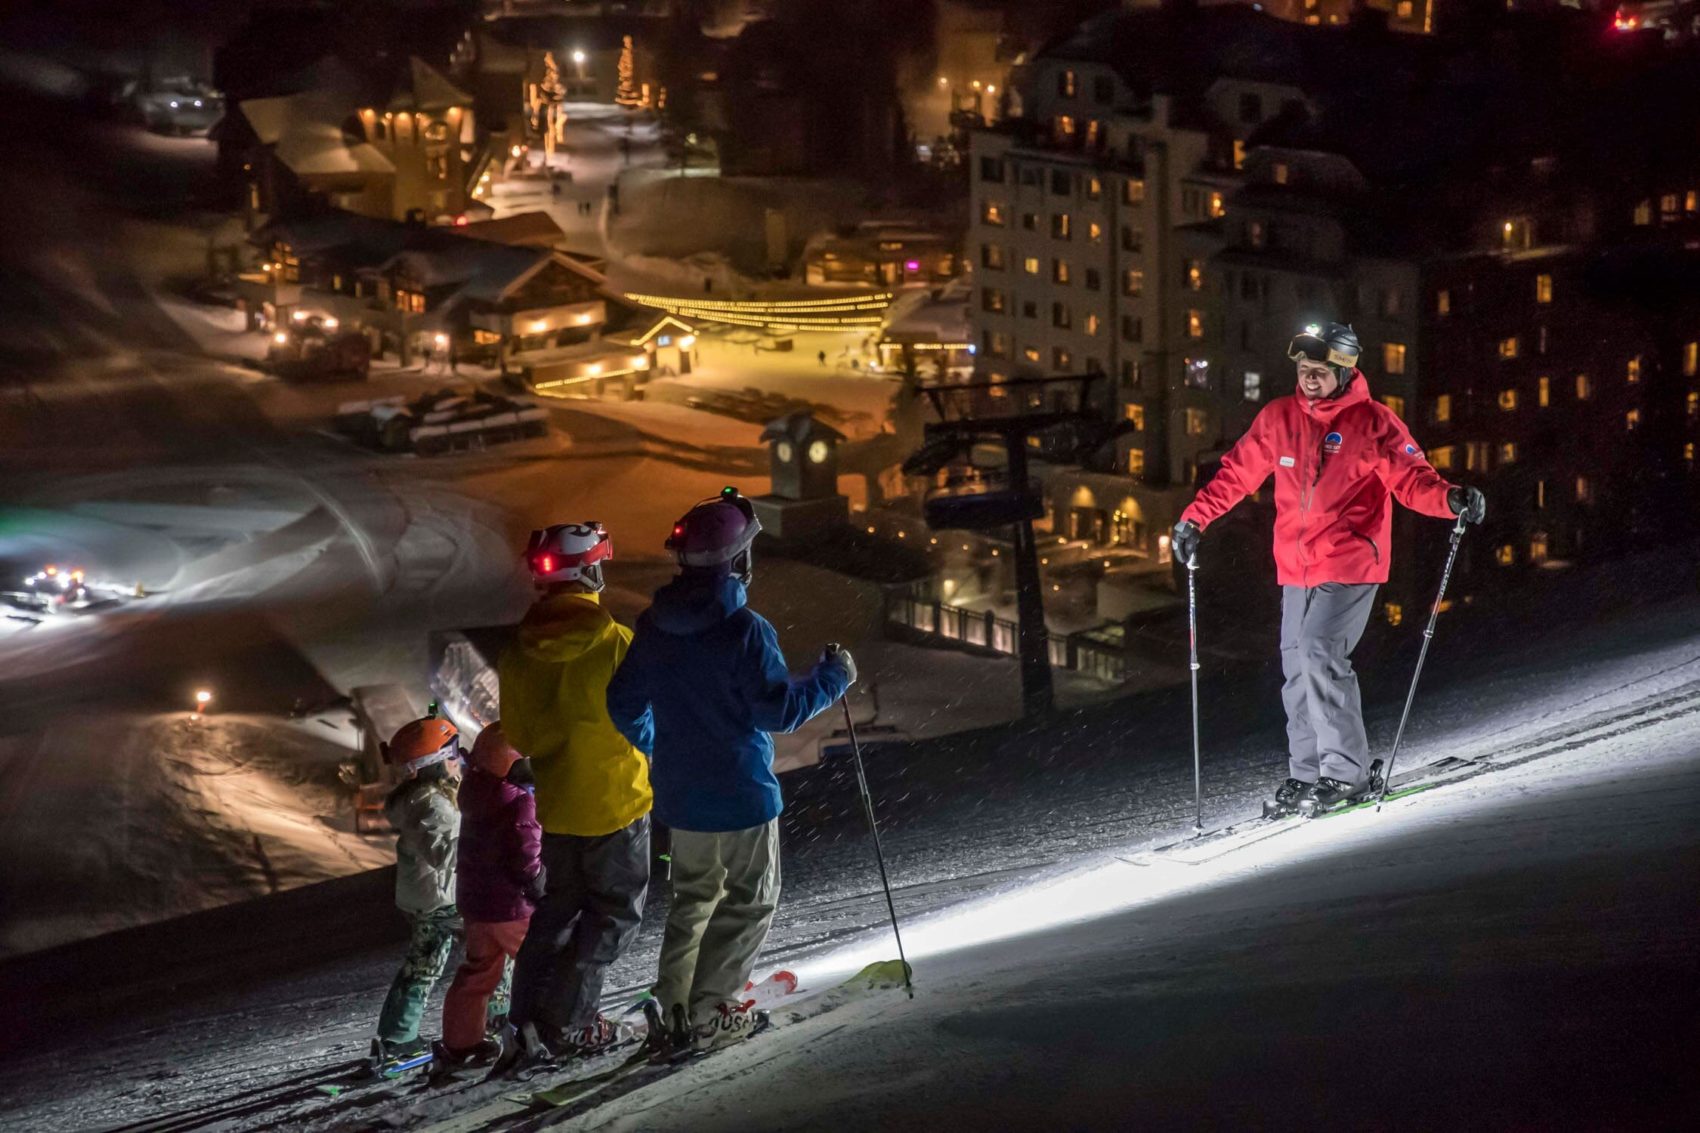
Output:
x=1327 y=794
x=1286 y=800
x=731 y=1023
x=524 y=1052
x=447 y=1064
x=392 y=1059
x=598 y=1036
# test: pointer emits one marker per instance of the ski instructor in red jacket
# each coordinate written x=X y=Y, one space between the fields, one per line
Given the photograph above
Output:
x=1337 y=455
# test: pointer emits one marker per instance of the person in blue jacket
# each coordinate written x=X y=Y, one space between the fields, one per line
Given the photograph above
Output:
x=702 y=686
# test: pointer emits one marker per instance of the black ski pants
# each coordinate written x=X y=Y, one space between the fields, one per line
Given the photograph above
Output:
x=588 y=915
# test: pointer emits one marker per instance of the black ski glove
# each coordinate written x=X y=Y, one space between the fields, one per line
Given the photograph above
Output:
x=537 y=886
x=1183 y=541
x=1467 y=502
x=836 y=654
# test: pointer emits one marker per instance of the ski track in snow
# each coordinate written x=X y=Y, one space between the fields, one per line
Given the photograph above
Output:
x=1607 y=727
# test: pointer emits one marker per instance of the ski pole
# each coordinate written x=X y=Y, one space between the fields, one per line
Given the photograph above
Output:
x=868 y=807
x=1192 y=637
x=1422 y=655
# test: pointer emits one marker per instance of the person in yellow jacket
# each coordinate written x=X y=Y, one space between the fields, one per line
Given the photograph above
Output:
x=593 y=798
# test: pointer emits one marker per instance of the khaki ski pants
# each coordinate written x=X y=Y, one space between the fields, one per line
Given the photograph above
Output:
x=725 y=889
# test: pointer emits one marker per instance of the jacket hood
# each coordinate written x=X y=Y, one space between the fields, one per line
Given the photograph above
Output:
x=1327 y=408
x=560 y=627
x=689 y=605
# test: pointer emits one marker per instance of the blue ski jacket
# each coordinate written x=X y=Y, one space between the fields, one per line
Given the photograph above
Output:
x=701 y=687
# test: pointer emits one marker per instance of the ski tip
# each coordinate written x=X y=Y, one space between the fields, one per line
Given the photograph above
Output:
x=884 y=973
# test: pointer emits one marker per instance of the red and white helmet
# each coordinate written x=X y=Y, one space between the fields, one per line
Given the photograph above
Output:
x=570 y=552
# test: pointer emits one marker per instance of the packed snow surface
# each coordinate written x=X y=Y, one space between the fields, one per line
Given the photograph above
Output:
x=1515 y=948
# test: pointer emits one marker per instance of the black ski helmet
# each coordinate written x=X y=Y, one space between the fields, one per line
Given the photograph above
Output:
x=1335 y=344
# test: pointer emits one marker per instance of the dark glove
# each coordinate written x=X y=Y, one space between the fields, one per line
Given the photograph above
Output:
x=1469 y=503
x=537 y=886
x=1183 y=540
x=836 y=654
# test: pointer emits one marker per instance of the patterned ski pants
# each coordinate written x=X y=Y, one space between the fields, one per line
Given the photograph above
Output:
x=432 y=938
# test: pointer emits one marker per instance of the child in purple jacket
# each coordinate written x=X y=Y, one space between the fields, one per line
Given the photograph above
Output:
x=498 y=882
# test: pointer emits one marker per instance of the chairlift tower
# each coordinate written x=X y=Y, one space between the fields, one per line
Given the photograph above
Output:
x=1055 y=409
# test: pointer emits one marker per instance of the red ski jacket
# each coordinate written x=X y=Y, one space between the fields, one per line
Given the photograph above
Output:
x=1335 y=464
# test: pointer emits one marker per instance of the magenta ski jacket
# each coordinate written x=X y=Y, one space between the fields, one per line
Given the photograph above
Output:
x=500 y=844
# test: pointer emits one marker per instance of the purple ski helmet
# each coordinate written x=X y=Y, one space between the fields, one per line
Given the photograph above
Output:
x=717 y=533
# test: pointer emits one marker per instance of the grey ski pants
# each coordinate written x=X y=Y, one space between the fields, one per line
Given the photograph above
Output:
x=589 y=914
x=725 y=891
x=1320 y=626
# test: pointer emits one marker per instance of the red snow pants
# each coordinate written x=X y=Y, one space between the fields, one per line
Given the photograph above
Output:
x=489 y=946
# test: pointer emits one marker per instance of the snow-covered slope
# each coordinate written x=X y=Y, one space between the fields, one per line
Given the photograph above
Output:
x=1515 y=949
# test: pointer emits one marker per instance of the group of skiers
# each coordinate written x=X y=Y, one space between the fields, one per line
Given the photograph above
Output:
x=600 y=724
x=539 y=853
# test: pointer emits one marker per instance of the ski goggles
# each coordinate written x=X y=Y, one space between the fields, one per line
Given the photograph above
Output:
x=1309 y=347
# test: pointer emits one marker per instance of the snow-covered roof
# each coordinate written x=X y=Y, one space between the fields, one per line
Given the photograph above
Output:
x=319 y=150
x=419 y=86
x=534 y=229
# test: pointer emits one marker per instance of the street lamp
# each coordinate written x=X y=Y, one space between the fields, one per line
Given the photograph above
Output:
x=203 y=697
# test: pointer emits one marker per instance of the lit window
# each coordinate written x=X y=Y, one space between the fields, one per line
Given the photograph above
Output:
x=1443 y=457
x=1693 y=404
x=1031 y=353
x=1216 y=206
x=1281 y=173
x=1061 y=359
x=1133 y=282
x=1059 y=271
x=1688 y=452
x=1094 y=188
x=1508 y=347
x=1395 y=613
x=1443 y=302
x=1094 y=232
x=991 y=299
x=1195 y=275
x=1691 y=201
x=1395 y=403
x=1540 y=494
x=1393 y=357
x=1136 y=461
x=1584 y=387
x=1133 y=192
x=1443 y=409
x=1030 y=265
x=997 y=344
x=1668 y=205
x=1506 y=555
x=1066 y=84
x=1632 y=370
x=1403 y=10
x=1517 y=234
x=1508 y=399
x=1644 y=212
x=1196 y=422
x=1060 y=225
x=1253 y=386
x=1584 y=490
x=1543 y=391
x=1632 y=420
x=1690 y=359
x=1508 y=452
x=1195 y=323
x=1538 y=547
x=1064 y=128
x=1476 y=456
x=992 y=213
x=1092 y=324
x=1239 y=154
x=1543 y=288
x=991 y=257
x=1135 y=414
x=1196 y=372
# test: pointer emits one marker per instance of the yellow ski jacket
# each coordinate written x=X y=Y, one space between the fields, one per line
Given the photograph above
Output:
x=554 y=682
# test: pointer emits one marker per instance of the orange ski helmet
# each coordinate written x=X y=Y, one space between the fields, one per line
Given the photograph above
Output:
x=492 y=752
x=424 y=742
